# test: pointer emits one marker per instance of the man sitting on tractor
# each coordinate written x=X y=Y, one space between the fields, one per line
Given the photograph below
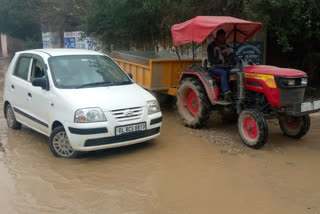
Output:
x=218 y=53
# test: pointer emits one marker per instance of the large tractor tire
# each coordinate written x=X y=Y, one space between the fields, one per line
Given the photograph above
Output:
x=193 y=104
x=253 y=128
x=294 y=127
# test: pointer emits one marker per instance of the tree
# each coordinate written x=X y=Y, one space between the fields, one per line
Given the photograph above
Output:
x=288 y=21
x=17 y=19
x=27 y=19
x=120 y=22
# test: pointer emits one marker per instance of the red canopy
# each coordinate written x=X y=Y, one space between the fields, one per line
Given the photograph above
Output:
x=200 y=27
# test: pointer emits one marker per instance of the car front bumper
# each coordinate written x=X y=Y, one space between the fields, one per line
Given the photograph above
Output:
x=101 y=135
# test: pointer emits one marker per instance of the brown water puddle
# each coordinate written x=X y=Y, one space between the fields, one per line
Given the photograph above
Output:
x=182 y=171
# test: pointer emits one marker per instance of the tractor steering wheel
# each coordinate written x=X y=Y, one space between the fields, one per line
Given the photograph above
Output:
x=232 y=59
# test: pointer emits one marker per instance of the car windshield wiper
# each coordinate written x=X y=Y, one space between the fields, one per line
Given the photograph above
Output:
x=95 y=84
x=127 y=82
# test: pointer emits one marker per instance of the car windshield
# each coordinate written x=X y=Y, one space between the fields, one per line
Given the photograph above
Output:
x=86 y=71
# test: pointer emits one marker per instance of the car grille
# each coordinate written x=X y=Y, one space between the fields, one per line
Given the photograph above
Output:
x=123 y=115
x=121 y=138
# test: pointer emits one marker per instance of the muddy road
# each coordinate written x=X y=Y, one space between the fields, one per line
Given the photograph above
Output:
x=182 y=171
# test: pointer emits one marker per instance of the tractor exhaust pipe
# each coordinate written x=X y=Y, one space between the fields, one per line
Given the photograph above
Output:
x=240 y=83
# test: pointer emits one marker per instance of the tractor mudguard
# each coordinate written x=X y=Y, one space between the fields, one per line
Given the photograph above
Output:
x=207 y=81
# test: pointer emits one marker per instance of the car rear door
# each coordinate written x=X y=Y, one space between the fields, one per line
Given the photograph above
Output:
x=18 y=82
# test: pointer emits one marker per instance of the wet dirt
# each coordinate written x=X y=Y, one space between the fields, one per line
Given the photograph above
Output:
x=182 y=171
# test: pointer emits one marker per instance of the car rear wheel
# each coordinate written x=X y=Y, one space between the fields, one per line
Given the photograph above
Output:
x=253 y=128
x=11 y=119
x=60 y=145
x=294 y=127
x=193 y=103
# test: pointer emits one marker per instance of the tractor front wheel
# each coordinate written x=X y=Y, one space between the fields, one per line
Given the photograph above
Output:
x=294 y=127
x=193 y=103
x=253 y=128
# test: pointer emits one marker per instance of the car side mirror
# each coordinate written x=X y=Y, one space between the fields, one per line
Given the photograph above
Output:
x=130 y=75
x=40 y=82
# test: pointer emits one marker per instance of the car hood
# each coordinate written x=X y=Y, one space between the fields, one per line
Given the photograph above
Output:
x=107 y=98
x=275 y=71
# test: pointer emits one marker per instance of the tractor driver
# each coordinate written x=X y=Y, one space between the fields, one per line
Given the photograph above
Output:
x=218 y=53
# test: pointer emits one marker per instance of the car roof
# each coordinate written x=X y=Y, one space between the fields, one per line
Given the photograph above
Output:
x=61 y=52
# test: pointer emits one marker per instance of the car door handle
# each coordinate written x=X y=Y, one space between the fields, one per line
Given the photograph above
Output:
x=29 y=94
x=12 y=86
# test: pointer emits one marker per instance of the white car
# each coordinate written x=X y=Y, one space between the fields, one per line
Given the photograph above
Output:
x=81 y=99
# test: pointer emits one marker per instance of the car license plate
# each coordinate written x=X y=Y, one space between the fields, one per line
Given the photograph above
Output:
x=131 y=128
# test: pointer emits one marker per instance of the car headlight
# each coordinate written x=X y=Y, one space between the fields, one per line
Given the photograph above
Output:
x=89 y=115
x=304 y=81
x=153 y=107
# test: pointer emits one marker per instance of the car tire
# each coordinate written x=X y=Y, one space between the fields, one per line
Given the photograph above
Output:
x=253 y=128
x=60 y=145
x=11 y=118
x=294 y=127
x=193 y=103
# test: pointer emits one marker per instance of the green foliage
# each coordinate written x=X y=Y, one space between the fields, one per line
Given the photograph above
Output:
x=288 y=21
x=122 y=21
x=60 y=16
x=17 y=19
x=26 y=19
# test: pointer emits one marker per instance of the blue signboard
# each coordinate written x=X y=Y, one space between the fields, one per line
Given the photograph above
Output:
x=70 y=42
x=251 y=51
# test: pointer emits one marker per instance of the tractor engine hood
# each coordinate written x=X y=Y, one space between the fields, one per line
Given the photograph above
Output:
x=275 y=71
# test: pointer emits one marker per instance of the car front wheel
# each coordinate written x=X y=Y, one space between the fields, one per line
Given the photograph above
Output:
x=60 y=145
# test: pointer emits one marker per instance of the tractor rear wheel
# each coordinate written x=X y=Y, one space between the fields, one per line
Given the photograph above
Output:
x=193 y=103
x=253 y=128
x=294 y=127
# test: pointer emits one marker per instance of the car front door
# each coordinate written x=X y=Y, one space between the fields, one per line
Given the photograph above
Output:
x=38 y=98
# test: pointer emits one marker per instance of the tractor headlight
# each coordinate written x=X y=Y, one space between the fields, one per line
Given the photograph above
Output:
x=153 y=107
x=89 y=115
x=304 y=81
x=291 y=82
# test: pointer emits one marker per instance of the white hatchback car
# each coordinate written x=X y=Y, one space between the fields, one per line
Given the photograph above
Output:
x=81 y=99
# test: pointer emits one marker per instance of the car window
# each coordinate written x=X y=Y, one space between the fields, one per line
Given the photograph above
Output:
x=86 y=71
x=37 y=70
x=22 y=68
